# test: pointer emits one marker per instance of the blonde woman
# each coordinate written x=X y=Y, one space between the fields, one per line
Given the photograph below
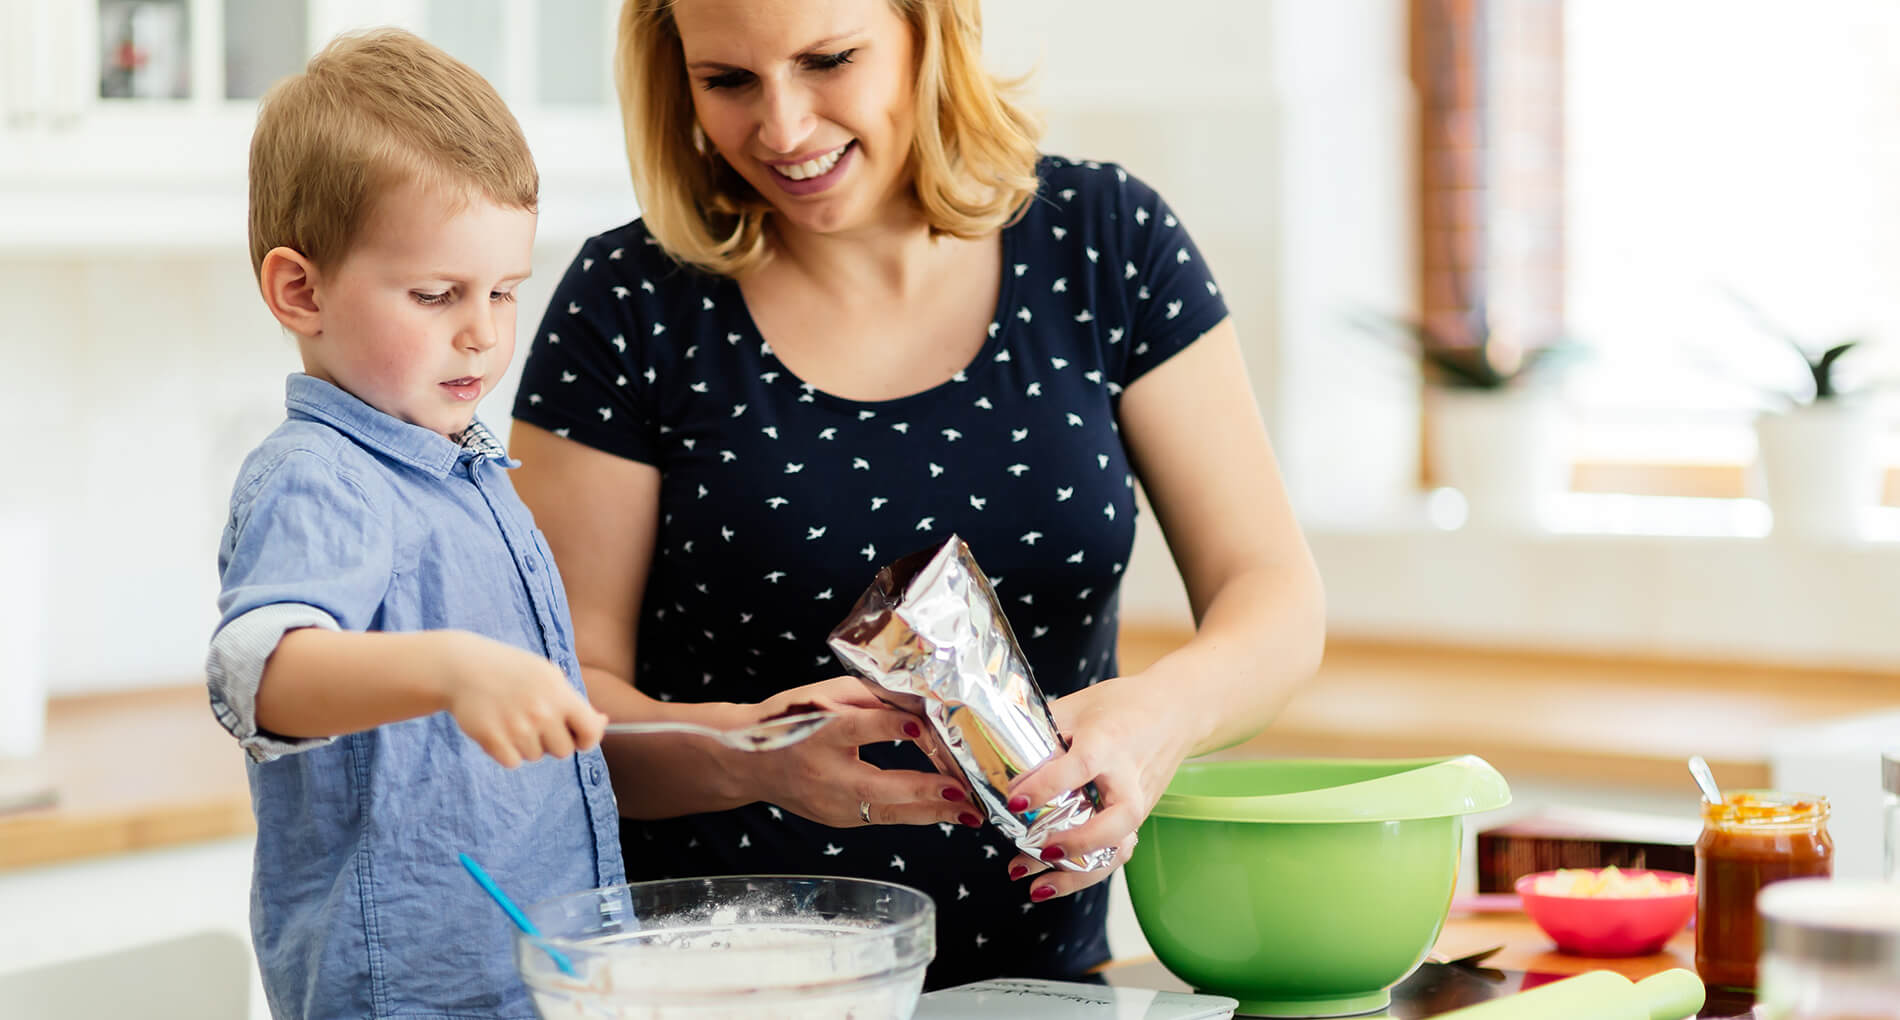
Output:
x=861 y=313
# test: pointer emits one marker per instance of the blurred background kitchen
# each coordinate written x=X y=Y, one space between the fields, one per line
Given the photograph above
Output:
x=1542 y=301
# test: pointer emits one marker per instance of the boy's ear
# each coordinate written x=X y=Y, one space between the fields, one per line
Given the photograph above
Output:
x=289 y=283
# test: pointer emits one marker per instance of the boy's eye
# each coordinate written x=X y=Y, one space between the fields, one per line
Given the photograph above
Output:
x=501 y=295
x=829 y=61
x=424 y=297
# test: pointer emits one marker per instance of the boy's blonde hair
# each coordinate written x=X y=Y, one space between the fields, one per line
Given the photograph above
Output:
x=973 y=160
x=373 y=111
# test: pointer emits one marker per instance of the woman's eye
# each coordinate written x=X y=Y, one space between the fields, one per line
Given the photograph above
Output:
x=831 y=60
x=727 y=80
x=424 y=297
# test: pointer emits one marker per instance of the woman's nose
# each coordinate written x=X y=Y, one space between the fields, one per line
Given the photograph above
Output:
x=785 y=119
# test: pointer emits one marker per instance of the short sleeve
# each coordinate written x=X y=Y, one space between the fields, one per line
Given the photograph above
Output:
x=1175 y=299
x=587 y=376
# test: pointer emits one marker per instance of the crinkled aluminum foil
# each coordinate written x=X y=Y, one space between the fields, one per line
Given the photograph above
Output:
x=929 y=637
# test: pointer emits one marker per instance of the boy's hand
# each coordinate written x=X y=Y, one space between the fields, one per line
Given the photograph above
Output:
x=515 y=704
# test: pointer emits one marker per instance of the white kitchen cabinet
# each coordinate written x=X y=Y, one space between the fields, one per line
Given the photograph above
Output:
x=125 y=124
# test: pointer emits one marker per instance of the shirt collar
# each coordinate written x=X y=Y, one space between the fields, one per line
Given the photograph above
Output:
x=307 y=396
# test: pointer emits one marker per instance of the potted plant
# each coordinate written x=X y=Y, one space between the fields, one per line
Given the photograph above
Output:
x=1495 y=429
x=1818 y=445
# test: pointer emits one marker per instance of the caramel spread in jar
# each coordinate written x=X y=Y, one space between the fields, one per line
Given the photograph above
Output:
x=1750 y=840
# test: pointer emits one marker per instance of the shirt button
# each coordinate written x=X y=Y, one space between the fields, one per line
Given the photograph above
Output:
x=532 y=566
x=593 y=774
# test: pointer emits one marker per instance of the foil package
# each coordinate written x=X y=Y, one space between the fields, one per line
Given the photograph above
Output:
x=929 y=637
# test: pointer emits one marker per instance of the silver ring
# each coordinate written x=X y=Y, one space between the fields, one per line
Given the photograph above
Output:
x=864 y=811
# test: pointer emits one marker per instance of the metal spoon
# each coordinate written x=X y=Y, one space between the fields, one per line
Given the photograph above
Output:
x=768 y=735
x=1704 y=779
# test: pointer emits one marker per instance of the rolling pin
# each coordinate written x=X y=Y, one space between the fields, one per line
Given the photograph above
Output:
x=1597 y=995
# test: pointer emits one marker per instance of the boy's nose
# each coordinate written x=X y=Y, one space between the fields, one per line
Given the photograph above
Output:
x=479 y=334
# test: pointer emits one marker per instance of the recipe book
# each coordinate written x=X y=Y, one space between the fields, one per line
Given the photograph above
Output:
x=1003 y=998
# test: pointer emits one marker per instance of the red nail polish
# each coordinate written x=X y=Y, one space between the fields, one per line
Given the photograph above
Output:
x=1018 y=871
x=953 y=794
x=912 y=730
x=970 y=820
x=1018 y=802
x=1051 y=853
x=1042 y=892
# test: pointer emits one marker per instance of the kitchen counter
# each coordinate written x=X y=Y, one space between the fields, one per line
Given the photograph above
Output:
x=151 y=768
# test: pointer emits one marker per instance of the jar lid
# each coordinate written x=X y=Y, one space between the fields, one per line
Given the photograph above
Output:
x=1890 y=771
x=1833 y=921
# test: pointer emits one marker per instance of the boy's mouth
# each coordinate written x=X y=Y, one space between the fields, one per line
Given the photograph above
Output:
x=467 y=387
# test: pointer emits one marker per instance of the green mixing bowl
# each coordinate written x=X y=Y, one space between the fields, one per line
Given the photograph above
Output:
x=1305 y=888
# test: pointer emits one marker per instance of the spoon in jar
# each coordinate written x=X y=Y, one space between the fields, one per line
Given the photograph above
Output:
x=1704 y=779
x=766 y=735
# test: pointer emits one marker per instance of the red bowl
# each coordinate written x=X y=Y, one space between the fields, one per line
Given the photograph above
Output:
x=1605 y=925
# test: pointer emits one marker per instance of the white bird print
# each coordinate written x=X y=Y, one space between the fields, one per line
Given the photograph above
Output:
x=568 y=377
x=901 y=427
x=1062 y=495
x=554 y=338
x=952 y=435
x=727 y=533
x=833 y=849
x=1174 y=308
x=897 y=862
x=1077 y=558
x=1092 y=254
x=1142 y=347
x=1128 y=271
x=1023 y=313
x=1002 y=355
x=702 y=492
x=772 y=810
x=1017 y=469
x=689 y=443
x=606 y=413
x=877 y=502
x=775 y=576
x=744 y=841
x=1034 y=390
x=727 y=456
x=1170 y=221
x=1093 y=375
x=1029 y=538
x=658 y=328
x=860 y=464
x=765 y=350
x=1085 y=316
x=652 y=376
x=869 y=551
x=573 y=308
x=976 y=502
x=994 y=326
x=1039 y=631
x=935 y=470
x=788 y=635
x=732 y=338
x=792 y=468
x=1075 y=419
x=1211 y=289
x=1101 y=461
x=980 y=940
x=771 y=431
x=534 y=398
x=1141 y=216
x=814 y=534
x=926 y=524
x=620 y=380
x=1021 y=269
x=828 y=433
x=988 y=851
x=1142 y=294
x=1084 y=593
x=1028 y=600
x=1067 y=194
x=737 y=410
x=777 y=501
x=960 y=377
x=944 y=827
x=616 y=253
x=1114 y=334
x=1059 y=232
x=823 y=596
x=822 y=659
x=866 y=415
x=768 y=377
x=622 y=293
x=962 y=893
x=699 y=387
x=984 y=403
x=1059 y=363
x=692 y=350
x=1061 y=285
x=706 y=303
x=1029 y=906
x=620 y=342
x=1115 y=388
x=1018 y=435
x=586 y=264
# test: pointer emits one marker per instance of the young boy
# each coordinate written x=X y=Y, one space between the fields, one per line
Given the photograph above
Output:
x=395 y=652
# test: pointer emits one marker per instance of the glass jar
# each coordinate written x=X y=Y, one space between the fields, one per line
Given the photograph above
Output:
x=1750 y=840
x=1830 y=951
x=1890 y=783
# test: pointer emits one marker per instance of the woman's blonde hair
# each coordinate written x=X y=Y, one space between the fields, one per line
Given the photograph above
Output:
x=371 y=112
x=972 y=161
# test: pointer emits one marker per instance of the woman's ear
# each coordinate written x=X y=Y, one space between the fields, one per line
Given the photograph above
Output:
x=289 y=283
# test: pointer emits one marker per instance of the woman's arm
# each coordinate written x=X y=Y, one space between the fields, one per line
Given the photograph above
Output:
x=1195 y=435
x=600 y=513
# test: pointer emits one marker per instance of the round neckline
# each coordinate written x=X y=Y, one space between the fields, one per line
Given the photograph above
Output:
x=985 y=355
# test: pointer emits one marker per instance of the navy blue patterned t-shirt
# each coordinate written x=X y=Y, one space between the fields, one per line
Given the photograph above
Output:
x=779 y=502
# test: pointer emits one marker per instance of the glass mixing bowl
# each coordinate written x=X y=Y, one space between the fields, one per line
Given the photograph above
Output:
x=751 y=946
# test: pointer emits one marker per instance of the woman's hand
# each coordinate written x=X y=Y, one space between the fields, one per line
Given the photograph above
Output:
x=822 y=778
x=1126 y=736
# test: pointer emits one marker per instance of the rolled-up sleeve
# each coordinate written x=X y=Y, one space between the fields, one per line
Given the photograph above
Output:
x=305 y=547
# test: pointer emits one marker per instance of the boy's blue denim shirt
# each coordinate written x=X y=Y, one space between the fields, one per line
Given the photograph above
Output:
x=348 y=518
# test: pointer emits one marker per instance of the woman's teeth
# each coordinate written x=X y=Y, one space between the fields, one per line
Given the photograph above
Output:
x=813 y=167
